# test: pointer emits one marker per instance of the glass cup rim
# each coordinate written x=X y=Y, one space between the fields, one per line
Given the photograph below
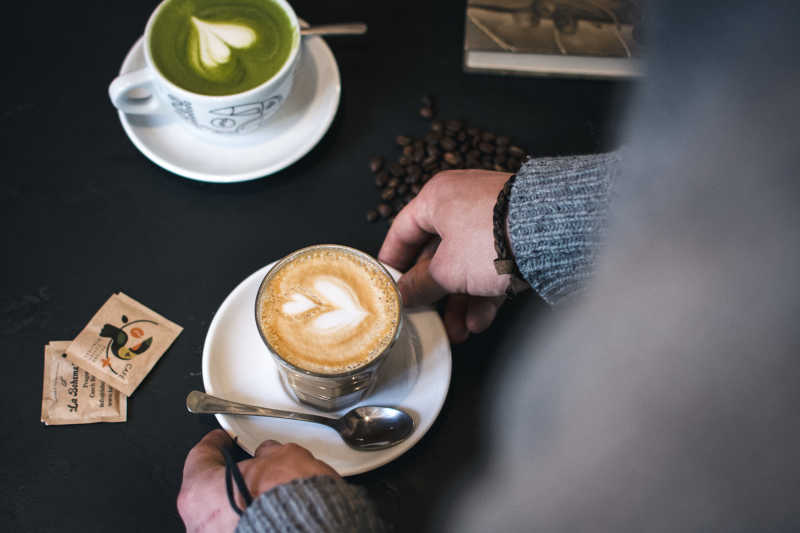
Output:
x=290 y=61
x=281 y=262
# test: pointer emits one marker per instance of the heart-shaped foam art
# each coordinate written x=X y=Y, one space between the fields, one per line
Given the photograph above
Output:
x=216 y=39
x=340 y=306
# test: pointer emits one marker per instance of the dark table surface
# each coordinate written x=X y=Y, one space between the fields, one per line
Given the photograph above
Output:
x=85 y=215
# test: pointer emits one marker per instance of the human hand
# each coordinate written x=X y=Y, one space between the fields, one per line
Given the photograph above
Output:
x=203 y=502
x=446 y=234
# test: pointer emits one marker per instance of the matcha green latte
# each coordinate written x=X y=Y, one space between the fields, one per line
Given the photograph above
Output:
x=220 y=47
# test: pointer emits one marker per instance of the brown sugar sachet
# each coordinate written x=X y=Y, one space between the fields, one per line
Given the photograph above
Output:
x=74 y=396
x=122 y=342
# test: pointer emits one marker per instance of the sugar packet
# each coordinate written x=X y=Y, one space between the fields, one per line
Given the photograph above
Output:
x=74 y=396
x=122 y=342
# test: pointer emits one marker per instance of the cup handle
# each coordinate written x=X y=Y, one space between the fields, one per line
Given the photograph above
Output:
x=122 y=86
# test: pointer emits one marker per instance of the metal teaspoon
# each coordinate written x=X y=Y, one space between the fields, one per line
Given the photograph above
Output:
x=347 y=28
x=363 y=428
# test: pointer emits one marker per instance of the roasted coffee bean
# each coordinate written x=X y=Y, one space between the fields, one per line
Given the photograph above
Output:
x=403 y=140
x=445 y=166
x=372 y=215
x=429 y=163
x=414 y=171
x=473 y=132
x=412 y=179
x=501 y=149
x=388 y=193
x=500 y=159
x=464 y=148
x=397 y=170
x=408 y=150
x=402 y=189
x=461 y=137
x=513 y=164
x=499 y=168
x=390 y=220
x=404 y=160
x=448 y=144
x=472 y=163
x=415 y=188
x=488 y=136
x=433 y=137
x=419 y=144
x=516 y=151
x=503 y=140
x=398 y=204
x=437 y=126
x=375 y=163
x=475 y=141
x=381 y=179
x=486 y=162
x=425 y=178
x=385 y=210
x=407 y=198
x=474 y=154
x=453 y=158
x=486 y=148
x=426 y=112
x=453 y=125
x=434 y=151
x=418 y=156
x=427 y=100
x=393 y=182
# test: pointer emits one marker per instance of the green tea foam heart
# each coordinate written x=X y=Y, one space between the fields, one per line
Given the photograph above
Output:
x=219 y=47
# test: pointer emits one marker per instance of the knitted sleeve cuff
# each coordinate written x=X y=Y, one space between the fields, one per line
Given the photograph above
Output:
x=318 y=504
x=557 y=218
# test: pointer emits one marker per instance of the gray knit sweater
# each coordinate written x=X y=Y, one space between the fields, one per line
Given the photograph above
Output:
x=557 y=217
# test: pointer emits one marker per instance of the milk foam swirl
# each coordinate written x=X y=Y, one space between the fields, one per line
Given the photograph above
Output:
x=215 y=40
x=329 y=311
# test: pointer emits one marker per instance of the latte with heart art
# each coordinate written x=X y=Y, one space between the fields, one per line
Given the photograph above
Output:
x=328 y=310
x=219 y=47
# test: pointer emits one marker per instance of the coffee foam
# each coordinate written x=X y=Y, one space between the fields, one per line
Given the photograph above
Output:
x=215 y=40
x=329 y=311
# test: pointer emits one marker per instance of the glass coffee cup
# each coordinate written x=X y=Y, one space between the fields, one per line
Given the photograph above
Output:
x=329 y=315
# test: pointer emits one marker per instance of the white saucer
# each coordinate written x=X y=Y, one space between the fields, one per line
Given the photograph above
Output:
x=294 y=130
x=237 y=366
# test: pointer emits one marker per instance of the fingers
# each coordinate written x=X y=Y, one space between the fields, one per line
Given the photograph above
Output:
x=481 y=312
x=207 y=453
x=266 y=447
x=417 y=286
x=409 y=232
x=454 y=319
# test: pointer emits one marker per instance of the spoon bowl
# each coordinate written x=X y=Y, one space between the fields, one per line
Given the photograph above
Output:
x=365 y=428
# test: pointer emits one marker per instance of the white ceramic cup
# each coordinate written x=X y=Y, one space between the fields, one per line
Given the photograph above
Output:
x=217 y=118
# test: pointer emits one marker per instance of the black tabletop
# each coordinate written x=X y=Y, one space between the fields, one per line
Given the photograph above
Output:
x=85 y=214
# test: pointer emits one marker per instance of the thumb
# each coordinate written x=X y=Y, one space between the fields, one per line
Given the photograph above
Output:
x=206 y=454
x=417 y=286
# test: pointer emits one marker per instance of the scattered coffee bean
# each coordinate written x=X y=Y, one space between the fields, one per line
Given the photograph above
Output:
x=418 y=156
x=381 y=179
x=384 y=210
x=376 y=163
x=414 y=171
x=407 y=198
x=404 y=160
x=425 y=177
x=427 y=100
x=464 y=148
x=448 y=144
x=372 y=215
x=473 y=132
x=461 y=137
x=452 y=158
x=488 y=136
x=429 y=163
x=437 y=126
x=453 y=125
x=415 y=188
x=408 y=150
x=433 y=150
x=513 y=164
x=393 y=182
x=486 y=148
x=397 y=170
x=403 y=140
x=500 y=159
x=398 y=204
x=486 y=162
x=402 y=189
x=516 y=151
x=388 y=193
x=419 y=144
x=432 y=137
x=499 y=168
x=501 y=149
x=502 y=140
x=426 y=112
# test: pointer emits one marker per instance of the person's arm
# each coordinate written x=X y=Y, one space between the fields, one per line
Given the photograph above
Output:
x=557 y=216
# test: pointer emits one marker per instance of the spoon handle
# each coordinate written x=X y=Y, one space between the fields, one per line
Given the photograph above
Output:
x=201 y=403
x=348 y=28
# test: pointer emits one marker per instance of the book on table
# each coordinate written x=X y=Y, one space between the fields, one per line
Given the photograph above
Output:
x=581 y=38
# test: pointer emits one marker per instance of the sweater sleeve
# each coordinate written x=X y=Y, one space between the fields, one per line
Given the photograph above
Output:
x=320 y=504
x=557 y=217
